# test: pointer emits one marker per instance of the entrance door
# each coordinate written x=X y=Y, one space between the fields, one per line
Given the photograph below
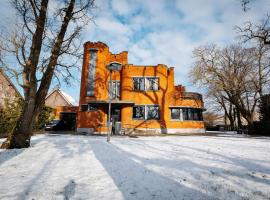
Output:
x=116 y=119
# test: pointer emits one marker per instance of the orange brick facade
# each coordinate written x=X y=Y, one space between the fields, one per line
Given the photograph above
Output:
x=166 y=97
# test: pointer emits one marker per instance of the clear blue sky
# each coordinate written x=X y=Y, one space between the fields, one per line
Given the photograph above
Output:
x=162 y=31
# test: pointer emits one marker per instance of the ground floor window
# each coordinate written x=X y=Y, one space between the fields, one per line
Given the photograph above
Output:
x=87 y=107
x=184 y=114
x=138 y=112
x=146 y=112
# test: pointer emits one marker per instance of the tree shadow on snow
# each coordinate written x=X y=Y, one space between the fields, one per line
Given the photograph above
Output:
x=136 y=181
x=69 y=190
x=9 y=154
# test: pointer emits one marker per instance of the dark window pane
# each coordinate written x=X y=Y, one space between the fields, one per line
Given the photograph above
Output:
x=92 y=108
x=152 y=112
x=185 y=113
x=138 y=83
x=196 y=114
x=175 y=113
x=190 y=114
x=84 y=107
x=200 y=116
x=138 y=112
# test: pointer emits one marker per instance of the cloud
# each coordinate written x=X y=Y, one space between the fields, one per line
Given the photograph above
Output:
x=121 y=7
x=167 y=31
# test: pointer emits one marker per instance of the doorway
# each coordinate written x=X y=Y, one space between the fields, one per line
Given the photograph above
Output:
x=116 y=120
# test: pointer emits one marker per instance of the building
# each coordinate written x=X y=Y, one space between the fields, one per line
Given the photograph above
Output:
x=145 y=99
x=58 y=97
x=8 y=91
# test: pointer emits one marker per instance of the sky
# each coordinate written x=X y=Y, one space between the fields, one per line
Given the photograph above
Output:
x=162 y=31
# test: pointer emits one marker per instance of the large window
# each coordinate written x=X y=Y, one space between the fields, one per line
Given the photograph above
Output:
x=91 y=72
x=193 y=114
x=146 y=112
x=145 y=83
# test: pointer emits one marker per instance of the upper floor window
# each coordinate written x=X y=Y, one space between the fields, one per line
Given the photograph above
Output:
x=146 y=112
x=145 y=83
x=138 y=83
x=91 y=72
x=115 y=90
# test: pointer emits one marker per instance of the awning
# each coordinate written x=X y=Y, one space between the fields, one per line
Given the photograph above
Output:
x=113 y=102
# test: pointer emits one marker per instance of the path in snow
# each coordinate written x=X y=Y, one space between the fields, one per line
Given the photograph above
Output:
x=83 y=167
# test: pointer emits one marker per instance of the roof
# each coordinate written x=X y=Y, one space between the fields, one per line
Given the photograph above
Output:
x=69 y=99
x=10 y=82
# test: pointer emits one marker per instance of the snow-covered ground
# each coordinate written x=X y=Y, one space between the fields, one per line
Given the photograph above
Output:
x=173 y=167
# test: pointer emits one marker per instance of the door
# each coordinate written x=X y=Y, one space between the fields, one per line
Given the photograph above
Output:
x=116 y=119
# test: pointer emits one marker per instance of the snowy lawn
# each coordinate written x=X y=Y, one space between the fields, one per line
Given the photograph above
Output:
x=174 y=167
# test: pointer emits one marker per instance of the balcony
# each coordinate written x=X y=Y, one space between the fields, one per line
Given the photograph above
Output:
x=191 y=95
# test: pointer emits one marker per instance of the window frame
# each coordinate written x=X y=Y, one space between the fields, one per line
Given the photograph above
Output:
x=88 y=108
x=141 y=118
x=189 y=112
x=145 y=117
x=144 y=83
x=116 y=82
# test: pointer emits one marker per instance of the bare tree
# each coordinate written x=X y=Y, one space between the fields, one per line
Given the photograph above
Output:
x=45 y=44
x=229 y=74
x=258 y=32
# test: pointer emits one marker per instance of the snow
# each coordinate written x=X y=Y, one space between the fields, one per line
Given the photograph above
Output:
x=172 y=167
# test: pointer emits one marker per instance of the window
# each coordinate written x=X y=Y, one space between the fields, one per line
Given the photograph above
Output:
x=138 y=112
x=84 y=107
x=87 y=107
x=138 y=83
x=151 y=84
x=175 y=113
x=146 y=83
x=194 y=114
x=91 y=72
x=146 y=112
x=152 y=112
x=185 y=113
x=115 y=91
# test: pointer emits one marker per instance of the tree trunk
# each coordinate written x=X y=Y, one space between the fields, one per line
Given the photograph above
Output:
x=21 y=134
x=231 y=119
x=250 y=124
x=239 y=121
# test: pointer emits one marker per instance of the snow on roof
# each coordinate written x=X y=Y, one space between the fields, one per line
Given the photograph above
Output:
x=66 y=96
x=69 y=98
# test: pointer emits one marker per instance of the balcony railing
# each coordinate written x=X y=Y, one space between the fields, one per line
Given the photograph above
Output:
x=191 y=95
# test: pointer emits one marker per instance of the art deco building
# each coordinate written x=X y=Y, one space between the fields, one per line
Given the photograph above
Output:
x=144 y=98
